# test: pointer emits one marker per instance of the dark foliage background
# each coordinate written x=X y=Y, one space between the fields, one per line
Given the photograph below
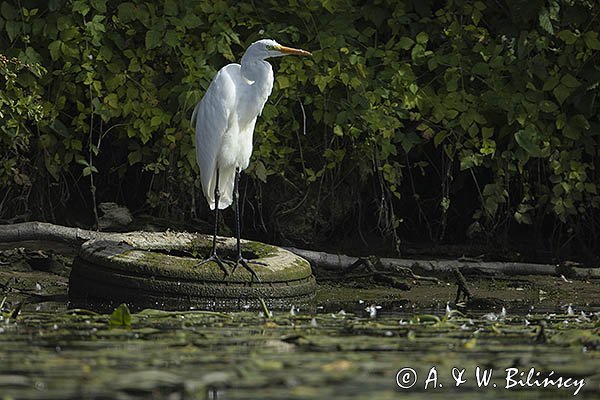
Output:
x=414 y=121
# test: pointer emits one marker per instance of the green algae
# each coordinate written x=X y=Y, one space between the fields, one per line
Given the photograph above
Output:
x=161 y=271
x=51 y=352
x=245 y=355
x=201 y=247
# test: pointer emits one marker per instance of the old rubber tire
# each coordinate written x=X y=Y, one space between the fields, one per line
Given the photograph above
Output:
x=160 y=270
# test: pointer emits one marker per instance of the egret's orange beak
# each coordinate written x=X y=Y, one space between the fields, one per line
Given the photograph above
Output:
x=290 y=50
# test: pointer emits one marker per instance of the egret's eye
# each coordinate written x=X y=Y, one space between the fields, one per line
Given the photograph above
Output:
x=271 y=47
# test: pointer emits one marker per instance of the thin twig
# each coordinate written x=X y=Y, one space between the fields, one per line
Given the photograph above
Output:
x=303 y=118
x=91 y=163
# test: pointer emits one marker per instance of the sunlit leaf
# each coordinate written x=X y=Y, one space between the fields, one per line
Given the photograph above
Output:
x=405 y=43
x=120 y=317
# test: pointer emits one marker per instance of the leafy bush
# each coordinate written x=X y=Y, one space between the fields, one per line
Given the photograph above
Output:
x=19 y=105
x=416 y=120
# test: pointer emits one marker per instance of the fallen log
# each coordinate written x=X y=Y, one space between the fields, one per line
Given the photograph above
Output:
x=339 y=262
x=77 y=236
x=50 y=232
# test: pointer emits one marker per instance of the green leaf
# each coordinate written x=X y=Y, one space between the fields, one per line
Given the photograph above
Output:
x=451 y=77
x=469 y=160
x=8 y=11
x=550 y=83
x=405 y=43
x=121 y=317
x=548 y=106
x=283 y=81
x=54 y=49
x=571 y=132
x=522 y=218
x=99 y=5
x=544 y=20
x=439 y=138
x=52 y=168
x=487 y=133
x=570 y=81
x=473 y=130
x=153 y=39
x=580 y=121
x=112 y=100
x=481 y=68
x=170 y=7
x=422 y=38
x=561 y=92
x=126 y=12
x=171 y=38
x=136 y=157
x=54 y=5
x=591 y=40
x=47 y=141
x=191 y=20
x=155 y=121
x=321 y=82
x=260 y=171
x=561 y=121
x=81 y=7
x=337 y=130
x=12 y=29
x=527 y=139
x=329 y=5
x=57 y=126
x=567 y=36
x=409 y=140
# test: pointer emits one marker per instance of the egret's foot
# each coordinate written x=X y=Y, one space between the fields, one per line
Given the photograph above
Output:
x=216 y=259
x=244 y=263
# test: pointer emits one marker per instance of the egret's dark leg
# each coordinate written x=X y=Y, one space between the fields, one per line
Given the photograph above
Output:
x=240 y=260
x=213 y=254
x=217 y=195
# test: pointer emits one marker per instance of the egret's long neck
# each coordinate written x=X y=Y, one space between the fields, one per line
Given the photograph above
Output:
x=259 y=76
x=256 y=70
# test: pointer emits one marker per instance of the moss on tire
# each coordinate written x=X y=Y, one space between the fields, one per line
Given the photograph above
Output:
x=160 y=270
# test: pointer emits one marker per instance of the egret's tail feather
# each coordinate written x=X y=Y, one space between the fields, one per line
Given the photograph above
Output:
x=226 y=180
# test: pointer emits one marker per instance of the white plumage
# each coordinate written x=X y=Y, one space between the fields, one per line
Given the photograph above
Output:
x=225 y=117
x=224 y=121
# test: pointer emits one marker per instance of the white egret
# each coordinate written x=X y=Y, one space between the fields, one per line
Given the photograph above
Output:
x=224 y=122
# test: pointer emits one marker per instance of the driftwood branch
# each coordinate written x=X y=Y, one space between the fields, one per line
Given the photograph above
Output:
x=45 y=231
x=371 y=264
x=76 y=236
x=338 y=261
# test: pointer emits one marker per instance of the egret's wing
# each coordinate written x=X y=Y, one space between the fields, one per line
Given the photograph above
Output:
x=211 y=118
